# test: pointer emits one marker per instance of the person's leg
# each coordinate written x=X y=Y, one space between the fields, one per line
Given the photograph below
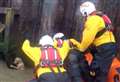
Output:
x=104 y=59
x=63 y=77
x=73 y=65
x=85 y=72
x=47 y=77
x=51 y=77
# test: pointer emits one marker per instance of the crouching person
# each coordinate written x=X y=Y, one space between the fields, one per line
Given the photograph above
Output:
x=48 y=61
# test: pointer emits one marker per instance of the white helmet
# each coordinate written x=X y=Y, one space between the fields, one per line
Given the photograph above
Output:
x=46 y=40
x=87 y=8
x=58 y=35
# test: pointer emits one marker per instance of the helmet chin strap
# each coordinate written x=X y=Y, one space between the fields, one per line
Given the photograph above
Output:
x=85 y=15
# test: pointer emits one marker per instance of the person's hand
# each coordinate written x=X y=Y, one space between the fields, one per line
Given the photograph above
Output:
x=72 y=45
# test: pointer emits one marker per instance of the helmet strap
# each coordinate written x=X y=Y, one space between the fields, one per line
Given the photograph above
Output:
x=93 y=13
x=85 y=13
x=85 y=17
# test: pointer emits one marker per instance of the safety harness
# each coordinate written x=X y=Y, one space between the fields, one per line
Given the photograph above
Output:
x=50 y=58
x=108 y=24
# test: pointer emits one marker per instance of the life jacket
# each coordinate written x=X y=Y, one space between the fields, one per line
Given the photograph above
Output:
x=50 y=57
x=108 y=24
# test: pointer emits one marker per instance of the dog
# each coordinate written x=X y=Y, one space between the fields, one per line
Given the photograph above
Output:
x=17 y=64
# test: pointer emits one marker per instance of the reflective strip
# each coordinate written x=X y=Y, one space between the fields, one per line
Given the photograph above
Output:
x=46 y=55
x=55 y=54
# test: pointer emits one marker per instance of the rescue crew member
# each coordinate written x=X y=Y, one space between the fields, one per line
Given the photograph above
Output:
x=61 y=41
x=47 y=71
x=96 y=33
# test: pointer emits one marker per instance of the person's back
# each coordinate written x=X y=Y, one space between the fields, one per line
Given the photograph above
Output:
x=48 y=61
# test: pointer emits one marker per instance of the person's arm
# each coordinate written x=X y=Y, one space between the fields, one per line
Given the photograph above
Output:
x=32 y=52
x=88 y=35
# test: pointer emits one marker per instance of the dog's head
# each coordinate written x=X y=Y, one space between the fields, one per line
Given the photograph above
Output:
x=19 y=63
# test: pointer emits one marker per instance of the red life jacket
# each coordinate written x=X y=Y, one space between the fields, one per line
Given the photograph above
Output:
x=108 y=24
x=50 y=57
